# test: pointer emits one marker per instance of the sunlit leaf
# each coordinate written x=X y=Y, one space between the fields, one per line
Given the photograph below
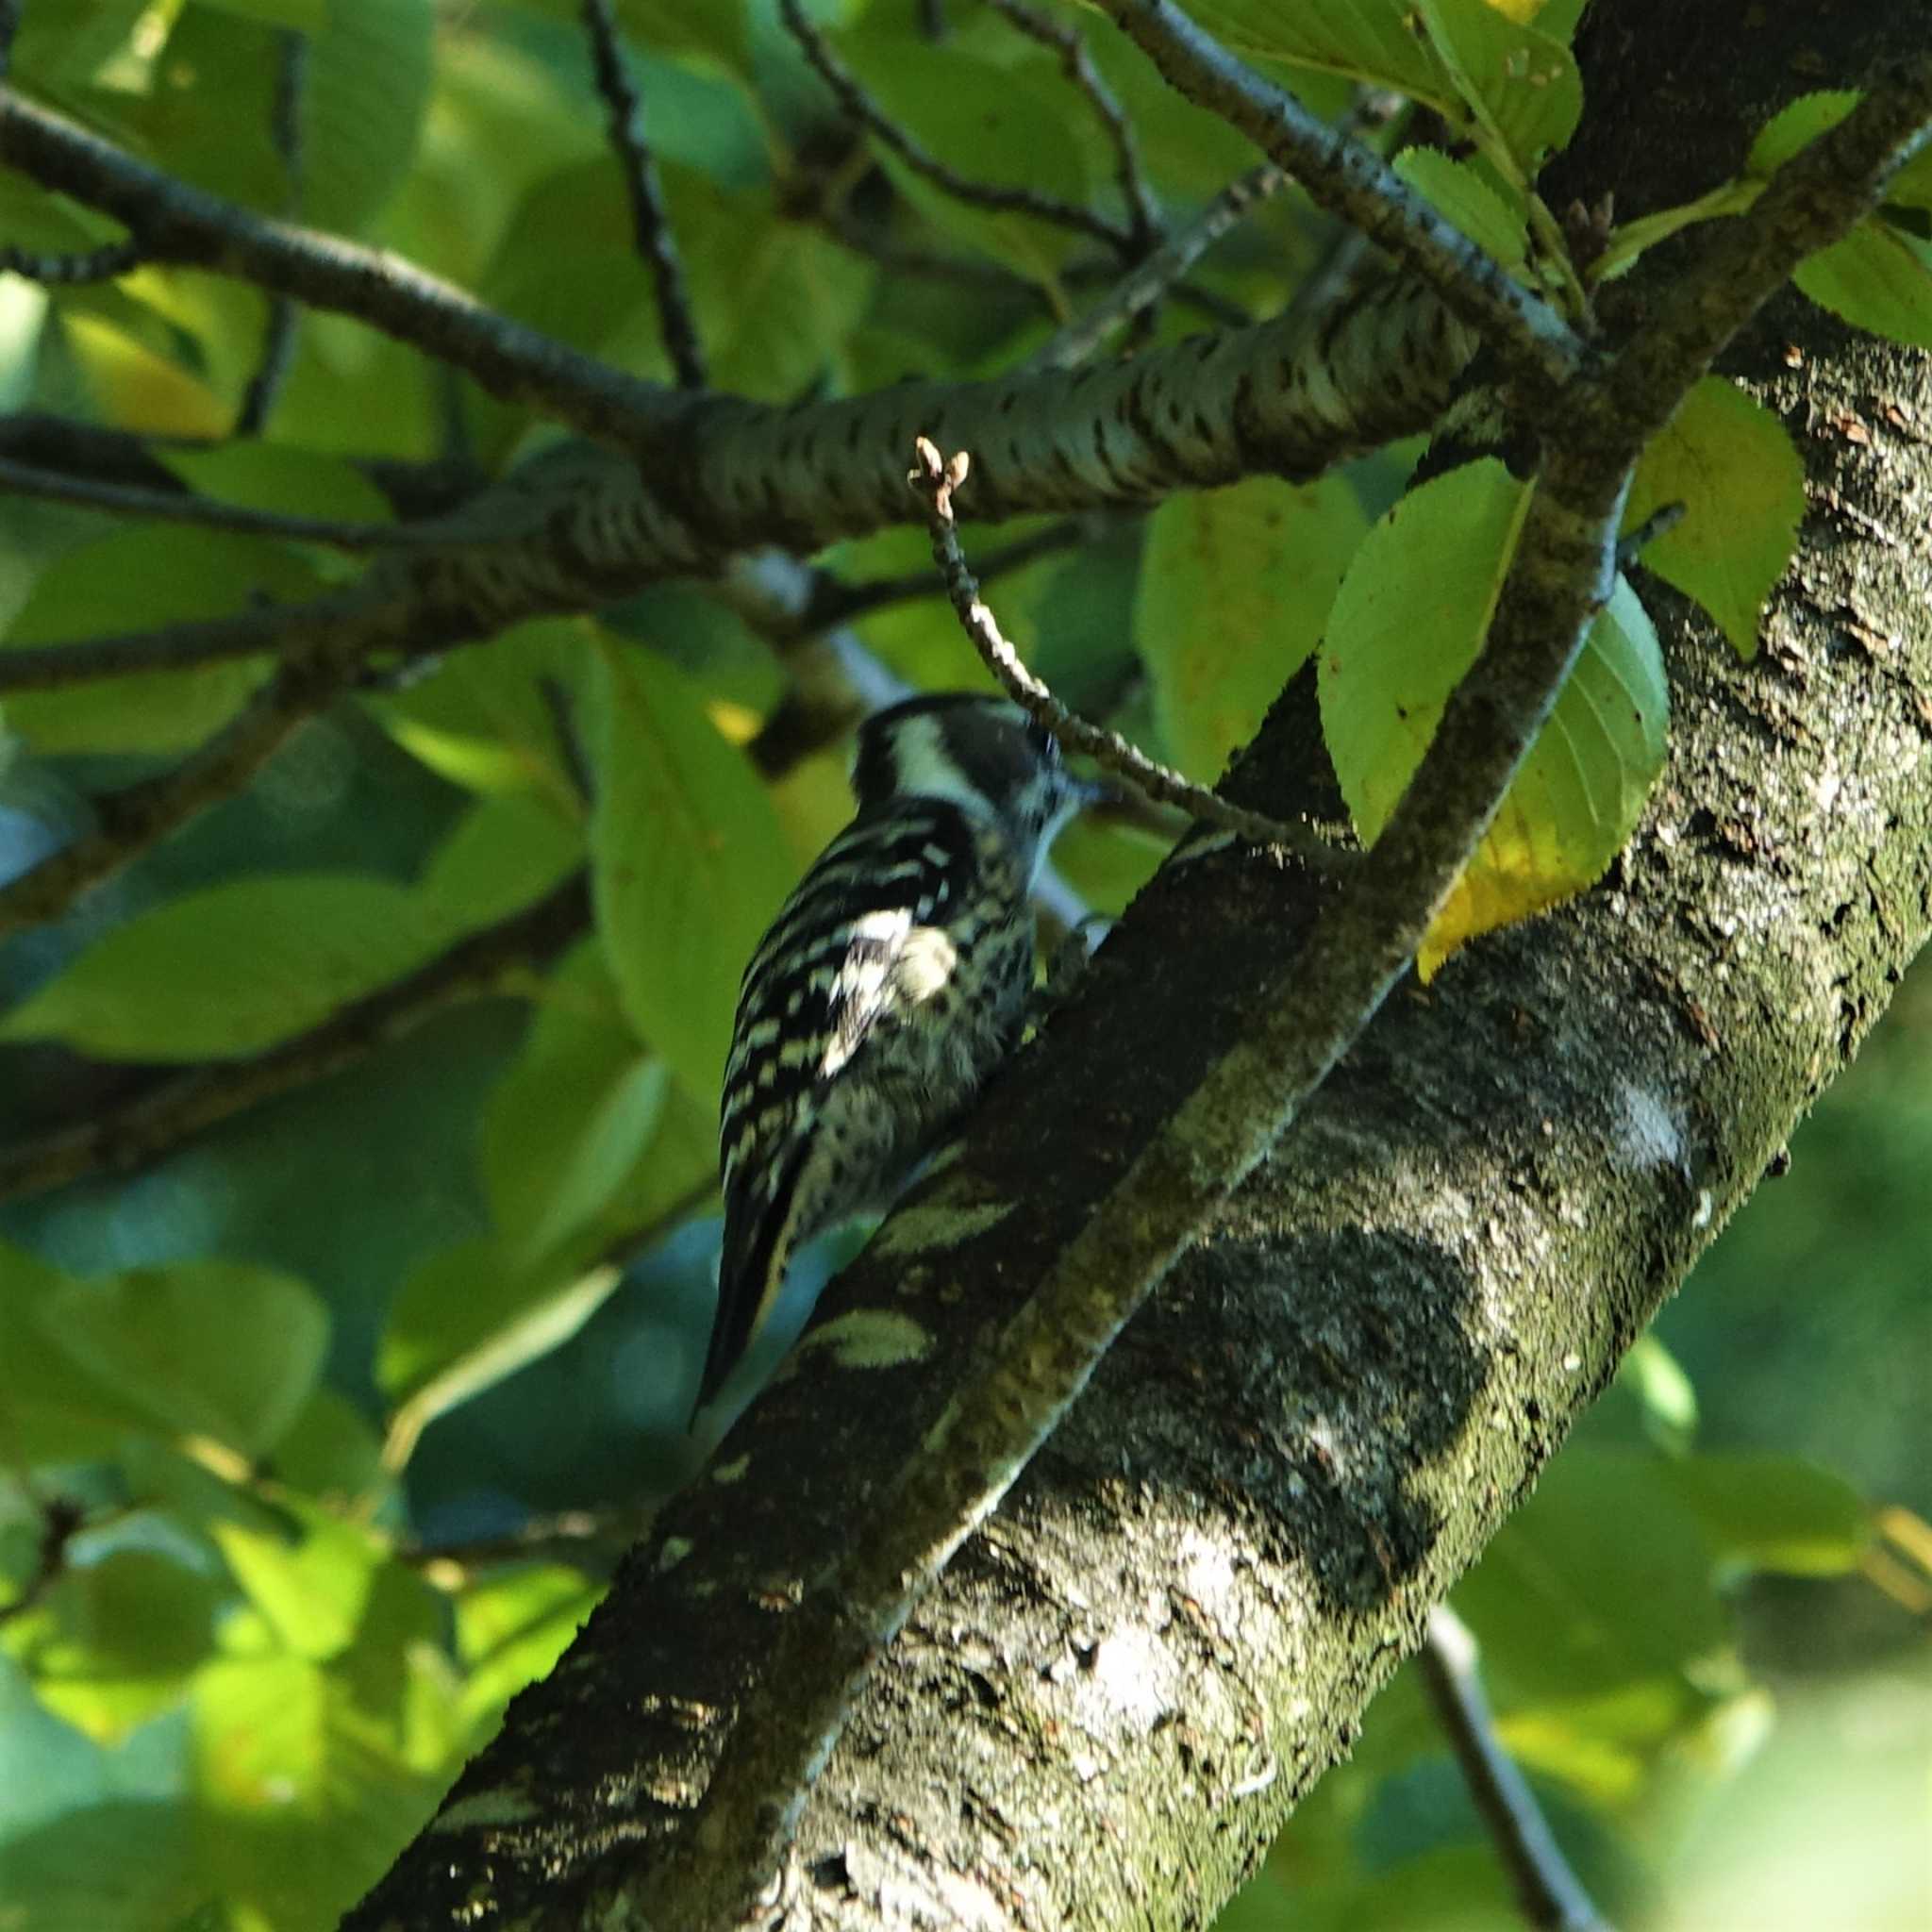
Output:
x=1775 y=1512
x=312 y=1590
x=1460 y=192
x=512 y=1626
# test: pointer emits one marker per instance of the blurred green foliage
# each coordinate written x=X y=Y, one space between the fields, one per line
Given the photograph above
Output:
x=317 y=1434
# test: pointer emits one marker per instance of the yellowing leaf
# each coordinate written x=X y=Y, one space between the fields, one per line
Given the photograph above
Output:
x=140 y=391
x=1408 y=622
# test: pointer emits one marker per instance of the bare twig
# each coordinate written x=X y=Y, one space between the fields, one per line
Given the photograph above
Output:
x=863 y=108
x=650 y=222
x=277 y=352
x=184 y=506
x=935 y=482
x=1160 y=275
x=1352 y=181
x=1548 y=1890
x=1143 y=208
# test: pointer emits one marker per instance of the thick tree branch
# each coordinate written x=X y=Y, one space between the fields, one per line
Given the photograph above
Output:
x=650 y=222
x=1349 y=180
x=995 y=1424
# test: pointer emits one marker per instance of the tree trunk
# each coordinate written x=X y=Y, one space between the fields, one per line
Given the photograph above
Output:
x=1171 y=1626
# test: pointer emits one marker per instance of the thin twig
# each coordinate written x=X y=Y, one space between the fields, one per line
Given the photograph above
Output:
x=61 y=1516
x=142 y=815
x=100 y=264
x=1155 y=278
x=160 y=1120
x=935 y=481
x=1143 y=208
x=1551 y=1897
x=650 y=222
x=1351 y=180
x=860 y=106
x=277 y=354
x=10 y=26
x=184 y=506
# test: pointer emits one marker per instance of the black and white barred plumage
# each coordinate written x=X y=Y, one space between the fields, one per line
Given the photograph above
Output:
x=892 y=983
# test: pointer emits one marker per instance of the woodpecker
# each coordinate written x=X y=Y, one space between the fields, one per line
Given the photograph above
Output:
x=894 y=979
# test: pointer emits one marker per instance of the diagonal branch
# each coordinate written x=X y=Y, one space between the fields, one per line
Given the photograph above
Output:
x=1551 y=1897
x=171 y=222
x=865 y=110
x=1362 y=942
x=184 y=506
x=650 y=222
x=1349 y=180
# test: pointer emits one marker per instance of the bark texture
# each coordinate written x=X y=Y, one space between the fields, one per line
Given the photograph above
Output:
x=1171 y=1626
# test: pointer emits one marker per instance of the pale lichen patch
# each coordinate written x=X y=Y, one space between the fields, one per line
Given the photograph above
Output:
x=925 y=1229
x=731 y=1472
x=870 y=1338
x=482 y=1808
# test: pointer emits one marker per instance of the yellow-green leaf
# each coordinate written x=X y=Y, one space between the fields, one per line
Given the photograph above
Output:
x=1728 y=461
x=1235 y=587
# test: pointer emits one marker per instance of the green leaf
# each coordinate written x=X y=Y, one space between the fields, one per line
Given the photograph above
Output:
x=572 y=1115
x=1235 y=587
x=1408 y=623
x=484 y=722
x=1775 y=1512
x=53 y=1408
x=312 y=1592
x=1879 y=278
x=505 y=852
x=274 y=476
x=511 y=1628
x=221 y=1349
x=1487 y=74
x=365 y=97
x=1730 y=462
x=466 y=1319
x=1522 y=87
x=231 y=969
x=113 y=1641
x=1459 y=194
x=1563 y=1610
x=133 y=580
x=688 y=863
x=300 y=1800
x=308 y=16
